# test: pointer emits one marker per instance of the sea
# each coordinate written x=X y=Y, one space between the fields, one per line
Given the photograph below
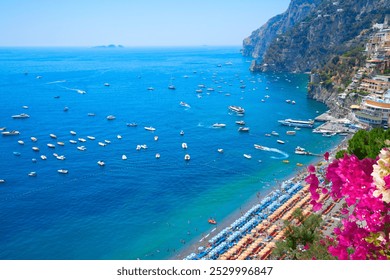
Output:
x=141 y=207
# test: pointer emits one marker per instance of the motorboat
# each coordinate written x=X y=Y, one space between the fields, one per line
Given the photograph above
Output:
x=155 y=138
x=220 y=151
x=32 y=174
x=81 y=91
x=274 y=133
x=102 y=144
x=51 y=145
x=111 y=117
x=124 y=157
x=184 y=104
x=184 y=145
x=91 y=114
x=34 y=139
x=53 y=136
x=285 y=161
x=259 y=147
x=82 y=140
x=21 y=142
x=107 y=141
x=106 y=84
x=91 y=137
x=81 y=148
x=60 y=143
x=72 y=132
x=21 y=116
x=158 y=156
x=150 y=88
x=119 y=136
x=243 y=129
x=248 y=156
x=181 y=132
x=101 y=163
x=212 y=221
x=236 y=109
x=187 y=157
x=291 y=132
x=219 y=125
x=267 y=135
x=73 y=141
x=240 y=122
x=43 y=157
x=2 y=181
x=10 y=133
x=280 y=141
x=301 y=151
x=17 y=154
x=35 y=149
x=138 y=147
x=66 y=109
x=172 y=87
x=62 y=171
x=199 y=90
x=149 y=128
x=133 y=124
x=144 y=146
x=61 y=157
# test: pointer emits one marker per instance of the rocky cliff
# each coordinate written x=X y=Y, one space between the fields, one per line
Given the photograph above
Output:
x=310 y=33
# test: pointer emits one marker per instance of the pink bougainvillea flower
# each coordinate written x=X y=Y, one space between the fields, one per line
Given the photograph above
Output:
x=326 y=156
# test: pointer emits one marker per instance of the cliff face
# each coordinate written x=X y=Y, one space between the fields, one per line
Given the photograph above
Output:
x=310 y=33
x=258 y=42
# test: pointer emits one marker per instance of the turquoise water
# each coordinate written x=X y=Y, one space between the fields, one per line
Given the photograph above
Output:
x=141 y=207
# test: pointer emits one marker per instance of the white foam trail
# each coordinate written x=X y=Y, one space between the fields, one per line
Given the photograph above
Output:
x=267 y=149
x=56 y=82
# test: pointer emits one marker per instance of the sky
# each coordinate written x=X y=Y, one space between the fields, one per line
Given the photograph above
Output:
x=133 y=22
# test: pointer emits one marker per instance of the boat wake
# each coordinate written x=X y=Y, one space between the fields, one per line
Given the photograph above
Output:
x=56 y=82
x=80 y=91
x=274 y=150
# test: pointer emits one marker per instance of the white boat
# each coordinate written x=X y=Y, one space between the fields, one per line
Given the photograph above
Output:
x=81 y=148
x=187 y=157
x=155 y=138
x=101 y=163
x=243 y=129
x=171 y=87
x=138 y=147
x=111 y=117
x=106 y=84
x=210 y=89
x=220 y=151
x=133 y=124
x=34 y=139
x=10 y=133
x=102 y=144
x=248 y=156
x=17 y=154
x=274 y=133
x=35 y=149
x=240 y=122
x=21 y=116
x=158 y=156
x=280 y=141
x=60 y=143
x=297 y=123
x=292 y=102
x=288 y=101
x=53 y=136
x=144 y=146
x=62 y=171
x=2 y=181
x=43 y=157
x=25 y=107
x=21 y=142
x=150 y=88
x=259 y=147
x=219 y=125
x=198 y=90
x=73 y=141
x=149 y=128
x=91 y=114
x=329 y=134
x=181 y=132
x=91 y=137
x=61 y=157
x=184 y=145
x=32 y=174
x=291 y=132
x=237 y=109
x=301 y=151
x=51 y=145
x=107 y=141
x=184 y=104
x=81 y=91
x=82 y=140
x=72 y=132
x=124 y=157
x=119 y=136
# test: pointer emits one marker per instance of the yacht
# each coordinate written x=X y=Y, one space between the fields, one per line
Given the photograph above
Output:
x=53 y=136
x=243 y=129
x=291 y=132
x=220 y=151
x=187 y=157
x=132 y=124
x=297 y=123
x=43 y=157
x=280 y=141
x=72 y=132
x=124 y=157
x=62 y=171
x=149 y=128
x=10 y=133
x=248 y=156
x=73 y=141
x=34 y=139
x=102 y=144
x=21 y=142
x=111 y=117
x=184 y=145
x=35 y=149
x=32 y=174
x=81 y=148
x=21 y=116
x=91 y=137
x=158 y=156
x=101 y=163
x=51 y=145
x=60 y=143
x=240 y=122
x=237 y=109
x=219 y=125
x=82 y=140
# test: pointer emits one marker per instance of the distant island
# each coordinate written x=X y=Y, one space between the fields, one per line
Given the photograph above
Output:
x=112 y=46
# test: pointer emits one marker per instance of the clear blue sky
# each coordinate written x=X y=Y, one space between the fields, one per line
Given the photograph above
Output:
x=132 y=22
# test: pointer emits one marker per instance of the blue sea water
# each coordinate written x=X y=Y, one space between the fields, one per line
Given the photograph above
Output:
x=141 y=207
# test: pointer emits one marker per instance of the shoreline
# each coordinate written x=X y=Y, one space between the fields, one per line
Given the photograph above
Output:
x=202 y=240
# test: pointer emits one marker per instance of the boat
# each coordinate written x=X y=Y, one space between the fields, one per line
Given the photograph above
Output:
x=181 y=132
x=219 y=125
x=53 y=136
x=198 y=90
x=149 y=128
x=212 y=221
x=51 y=145
x=184 y=145
x=274 y=133
x=61 y=157
x=201 y=86
x=291 y=132
x=237 y=109
x=138 y=147
x=132 y=124
x=150 y=88
x=91 y=137
x=124 y=157
x=157 y=155
x=286 y=161
x=288 y=101
x=81 y=91
x=21 y=116
x=301 y=151
x=2 y=181
x=248 y=156
x=155 y=138
x=297 y=123
x=32 y=174
x=184 y=104
x=299 y=164
x=292 y=102
x=101 y=163
x=172 y=87
x=35 y=149
x=17 y=154
x=66 y=109
x=119 y=136
x=280 y=141
x=267 y=135
x=111 y=117
x=259 y=147
x=106 y=84
x=91 y=114
x=210 y=89
x=82 y=140
x=329 y=134
x=107 y=141
x=21 y=142
x=72 y=132
x=220 y=151
x=243 y=129
x=43 y=157
x=187 y=157
x=81 y=148
x=240 y=122
x=61 y=143
x=25 y=107
x=34 y=139
x=102 y=144
x=144 y=146
x=10 y=133
x=62 y=171
x=73 y=141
